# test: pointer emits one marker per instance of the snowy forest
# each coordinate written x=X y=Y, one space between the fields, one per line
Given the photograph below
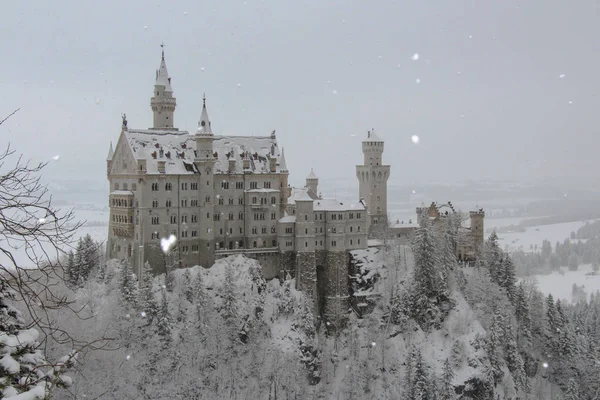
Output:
x=79 y=326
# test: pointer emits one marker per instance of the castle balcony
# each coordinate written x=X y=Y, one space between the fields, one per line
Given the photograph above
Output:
x=162 y=101
x=252 y=251
x=120 y=199
x=124 y=230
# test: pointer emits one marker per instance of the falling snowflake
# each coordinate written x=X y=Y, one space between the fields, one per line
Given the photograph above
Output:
x=414 y=192
x=25 y=82
x=470 y=37
x=56 y=157
x=570 y=101
x=458 y=73
x=239 y=85
x=373 y=344
x=462 y=115
x=334 y=91
x=167 y=243
x=343 y=21
x=42 y=220
x=545 y=365
x=415 y=57
x=353 y=135
x=127 y=315
x=380 y=57
x=52 y=81
x=562 y=76
x=145 y=26
x=417 y=80
x=415 y=139
x=97 y=101
x=143 y=314
x=202 y=69
x=127 y=357
x=185 y=13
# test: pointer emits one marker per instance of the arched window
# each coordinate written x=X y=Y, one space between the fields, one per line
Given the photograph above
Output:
x=254 y=202
x=254 y=244
x=273 y=200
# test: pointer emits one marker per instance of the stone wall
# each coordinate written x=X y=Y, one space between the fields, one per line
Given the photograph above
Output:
x=307 y=275
x=287 y=262
x=336 y=286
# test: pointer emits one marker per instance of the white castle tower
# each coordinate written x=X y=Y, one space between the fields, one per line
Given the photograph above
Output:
x=372 y=180
x=162 y=102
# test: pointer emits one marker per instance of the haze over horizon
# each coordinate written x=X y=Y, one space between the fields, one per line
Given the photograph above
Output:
x=500 y=91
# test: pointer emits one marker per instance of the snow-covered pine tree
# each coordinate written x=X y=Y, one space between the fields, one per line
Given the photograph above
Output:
x=457 y=354
x=229 y=307
x=89 y=257
x=78 y=278
x=493 y=257
x=24 y=370
x=446 y=389
x=572 y=390
x=128 y=286
x=409 y=373
x=146 y=299
x=513 y=359
x=494 y=345
x=422 y=389
x=522 y=312
x=507 y=277
x=169 y=279
x=164 y=325
x=72 y=272
x=186 y=285
x=429 y=291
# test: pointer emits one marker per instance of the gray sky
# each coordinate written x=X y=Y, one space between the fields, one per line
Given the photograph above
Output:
x=490 y=103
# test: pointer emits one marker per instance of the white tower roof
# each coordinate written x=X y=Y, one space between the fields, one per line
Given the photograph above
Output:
x=372 y=137
x=204 y=122
x=110 y=153
x=162 y=75
x=282 y=164
x=312 y=175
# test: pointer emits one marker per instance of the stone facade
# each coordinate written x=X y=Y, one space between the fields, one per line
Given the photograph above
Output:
x=224 y=195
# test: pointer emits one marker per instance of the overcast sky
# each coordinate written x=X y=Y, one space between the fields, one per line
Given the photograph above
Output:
x=491 y=103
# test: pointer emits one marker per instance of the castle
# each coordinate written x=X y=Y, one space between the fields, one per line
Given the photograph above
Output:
x=224 y=195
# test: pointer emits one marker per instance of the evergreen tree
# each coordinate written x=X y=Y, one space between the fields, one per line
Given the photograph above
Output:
x=572 y=390
x=514 y=360
x=421 y=383
x=429 y=290
x=493 y=257
x=409 y=373
x=228 y=309
x=169 y=279
x=186 y=286
x=507 y=277
x=128 y=287
x=457 y=355
x=24 y=371
x=89 y=256
x=522 y=311
x=494 y=346
x=146 y=299
x=72 y=271
x=78 y=277
x=446 y=391
x=164 y=324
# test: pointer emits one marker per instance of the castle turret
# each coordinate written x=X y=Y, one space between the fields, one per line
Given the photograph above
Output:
x=162 y=102
x=372 y=177
x=312 y=182
x=109 y=158
x=305 y=246
x=477 y=233
x=205 y=160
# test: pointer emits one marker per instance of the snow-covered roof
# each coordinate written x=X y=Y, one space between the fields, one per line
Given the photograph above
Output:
x=262 y=190
x=178 y=151
x=372 y=137
x=402 y=224
x=282 y=165
x=335 y=205
x=162 y=76
x=288 y=218
x=312 y=175
x=122 y=192
x=301 y=194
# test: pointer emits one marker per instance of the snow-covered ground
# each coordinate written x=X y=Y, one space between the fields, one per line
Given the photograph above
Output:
x=535 y=235
x=560 y=284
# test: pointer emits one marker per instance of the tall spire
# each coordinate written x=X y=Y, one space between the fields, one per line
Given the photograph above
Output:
x=162 y=75
x=204 y=127
x=162 y=102
x=110 y=153
x=282 y=164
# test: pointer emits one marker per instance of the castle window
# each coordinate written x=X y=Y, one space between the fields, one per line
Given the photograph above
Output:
x=194 y=186
x=221 y=231
x=207 y=215
x=273 y=216
x=231 y=201
x=316 y=243
x=240 y=200
x=320 y=216
x=183 y=202
x=254 y=243
x=184 y=218
x=231 y=216
x=194 y=202
x=333 y=243
x=124 y=186
x=340 y=216
x=220 y=201
x=358 y=228
x=217 y=217
x=334 y=230
x=305 y=217
x=358 y=215
x=351 y=215
x=267 y=185
x=350 y=242
x=253 y=185
x=289 y=230
x=174 y=219
x=320 y=243
x=273 y=200
x=225 y=185
x=334 y=216
x=350 y=229
x=274 y=243
x=241 y=230
x=168 y=186
x=254 y=200
x=194 y=233
x=239 y=185
x=305 y=244
x=117 y=186
x=273 y=229
x=241 y=215
x=321 y=230
x=183 y=185
x=154 y=220
x=306 y=231
x=154 y=203
x=263 y=229
x=254 y=231
x=207 y=199
x=168 y=203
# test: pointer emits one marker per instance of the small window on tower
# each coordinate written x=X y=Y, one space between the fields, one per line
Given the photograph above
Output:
x=202 y=123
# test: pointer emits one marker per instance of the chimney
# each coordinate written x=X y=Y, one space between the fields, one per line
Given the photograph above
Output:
x=246 y=162
x=161 y=167
x=272 y=163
